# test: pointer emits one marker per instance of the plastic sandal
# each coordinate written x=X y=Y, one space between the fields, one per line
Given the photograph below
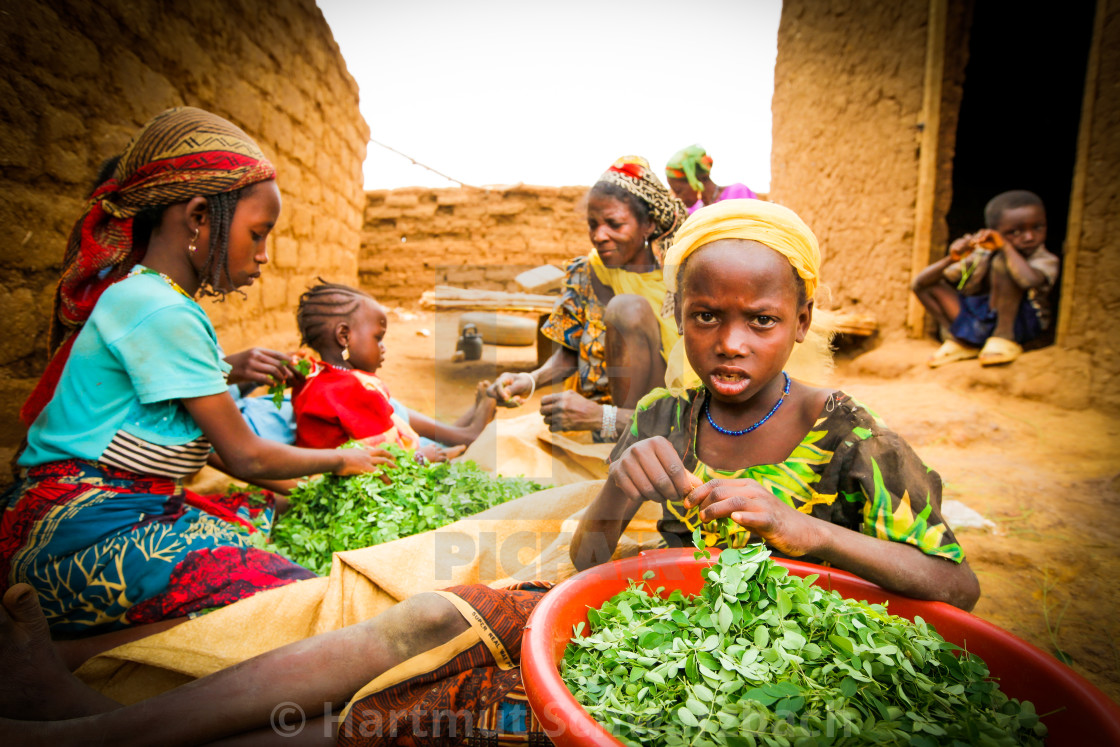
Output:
x=999 y=350
x=951 y=351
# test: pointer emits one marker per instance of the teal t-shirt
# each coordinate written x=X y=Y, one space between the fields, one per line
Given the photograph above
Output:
x=144 y=347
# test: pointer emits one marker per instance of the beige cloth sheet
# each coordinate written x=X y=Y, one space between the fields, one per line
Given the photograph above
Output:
x=523 y=445
x=523 y=540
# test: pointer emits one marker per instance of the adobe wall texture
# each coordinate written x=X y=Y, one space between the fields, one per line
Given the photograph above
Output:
x=848 y=86
x=80 y=79
x=1094 y=324
x=415 y=239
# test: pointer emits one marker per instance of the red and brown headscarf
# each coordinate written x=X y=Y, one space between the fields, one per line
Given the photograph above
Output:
x=633 y=174
x=181 y=153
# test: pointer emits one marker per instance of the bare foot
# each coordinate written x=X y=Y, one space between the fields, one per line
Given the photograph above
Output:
x=36 y=685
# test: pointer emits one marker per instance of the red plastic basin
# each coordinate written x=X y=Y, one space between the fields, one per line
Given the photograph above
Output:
x=1086 y=715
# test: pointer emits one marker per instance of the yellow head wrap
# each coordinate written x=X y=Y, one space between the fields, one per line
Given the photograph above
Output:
x=767 y=223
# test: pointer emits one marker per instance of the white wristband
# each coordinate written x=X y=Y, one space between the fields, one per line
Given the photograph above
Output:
x=532 y=385
x=608 y=432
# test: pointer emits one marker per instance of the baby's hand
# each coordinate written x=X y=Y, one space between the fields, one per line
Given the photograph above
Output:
x=651 y=470
x=754 y=507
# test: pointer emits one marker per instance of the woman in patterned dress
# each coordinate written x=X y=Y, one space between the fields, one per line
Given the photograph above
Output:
x=612 y=326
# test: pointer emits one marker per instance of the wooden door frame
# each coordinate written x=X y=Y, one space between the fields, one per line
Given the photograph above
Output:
x=1072 y=246
x=927 y=160
x=921 y=252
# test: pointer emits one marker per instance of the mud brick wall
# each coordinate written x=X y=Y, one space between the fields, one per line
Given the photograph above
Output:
x=415 y=239
x=79 y=80
x=848 y=87
x=1094 y=323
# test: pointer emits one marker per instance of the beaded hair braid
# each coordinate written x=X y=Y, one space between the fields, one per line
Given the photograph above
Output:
x=322 y=306
x=222 y=207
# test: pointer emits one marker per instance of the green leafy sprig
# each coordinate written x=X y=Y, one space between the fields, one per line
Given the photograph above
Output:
x=331 y=514
x=762 y=657
x=276 y=390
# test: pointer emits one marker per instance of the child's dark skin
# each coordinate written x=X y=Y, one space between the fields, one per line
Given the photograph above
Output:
x=363 y=337
x=1021 y=231
x=740 y=315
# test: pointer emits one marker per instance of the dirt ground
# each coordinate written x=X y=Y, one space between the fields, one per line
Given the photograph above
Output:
x=1047 y=478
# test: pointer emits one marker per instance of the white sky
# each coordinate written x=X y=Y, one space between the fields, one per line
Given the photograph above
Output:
x=508 y=91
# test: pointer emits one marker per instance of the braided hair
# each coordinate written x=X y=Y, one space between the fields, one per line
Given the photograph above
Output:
x=222 y=207
x=322 y=306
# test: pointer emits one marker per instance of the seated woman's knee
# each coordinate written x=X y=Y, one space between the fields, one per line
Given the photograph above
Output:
x=629 y=312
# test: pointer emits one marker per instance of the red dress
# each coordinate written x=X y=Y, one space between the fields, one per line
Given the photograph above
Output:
x=334 y=405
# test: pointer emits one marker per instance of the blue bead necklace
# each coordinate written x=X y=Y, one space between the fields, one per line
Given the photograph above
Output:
x=745 y=431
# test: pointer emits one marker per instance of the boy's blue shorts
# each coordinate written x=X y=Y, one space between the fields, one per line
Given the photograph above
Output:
x=977 y=320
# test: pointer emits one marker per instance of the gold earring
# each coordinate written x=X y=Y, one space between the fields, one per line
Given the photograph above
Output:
x=346 y=353
x=191 y=246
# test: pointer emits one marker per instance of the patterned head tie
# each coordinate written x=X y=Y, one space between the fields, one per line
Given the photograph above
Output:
x=689 y=163
x=180 y=154
x=633 y=174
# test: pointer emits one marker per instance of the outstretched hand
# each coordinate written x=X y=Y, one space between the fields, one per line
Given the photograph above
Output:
x=651 y=470
x=259 y=366
x=366 y=459
x=754 y=507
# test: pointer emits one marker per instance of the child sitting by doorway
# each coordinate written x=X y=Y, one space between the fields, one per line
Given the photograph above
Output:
x=341 y=398
x=990 y=293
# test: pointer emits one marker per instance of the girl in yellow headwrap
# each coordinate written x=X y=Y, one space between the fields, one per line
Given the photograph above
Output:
x=747 y=454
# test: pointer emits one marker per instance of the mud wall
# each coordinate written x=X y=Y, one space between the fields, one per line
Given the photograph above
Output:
x=848 y=86
x=80 y=78
x=415 y=239
x=1094 y=300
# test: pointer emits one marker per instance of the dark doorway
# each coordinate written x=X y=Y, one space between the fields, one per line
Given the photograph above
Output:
x=1021 y=110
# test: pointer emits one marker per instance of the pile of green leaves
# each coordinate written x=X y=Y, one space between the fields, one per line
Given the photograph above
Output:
x=764 y=657
x=330 y=514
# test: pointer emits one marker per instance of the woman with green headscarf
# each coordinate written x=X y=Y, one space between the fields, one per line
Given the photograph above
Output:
x=689 y=175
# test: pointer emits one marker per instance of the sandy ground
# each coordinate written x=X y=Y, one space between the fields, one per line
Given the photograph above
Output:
x=1048 y=479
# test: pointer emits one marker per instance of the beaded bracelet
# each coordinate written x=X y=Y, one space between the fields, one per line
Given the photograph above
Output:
x=608 y=432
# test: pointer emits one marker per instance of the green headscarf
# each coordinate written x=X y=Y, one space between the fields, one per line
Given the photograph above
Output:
x=686 y=163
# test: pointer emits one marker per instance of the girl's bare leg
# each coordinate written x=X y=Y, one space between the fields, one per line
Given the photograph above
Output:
x=78 y=650
x=633 y=349
x=314 y=674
